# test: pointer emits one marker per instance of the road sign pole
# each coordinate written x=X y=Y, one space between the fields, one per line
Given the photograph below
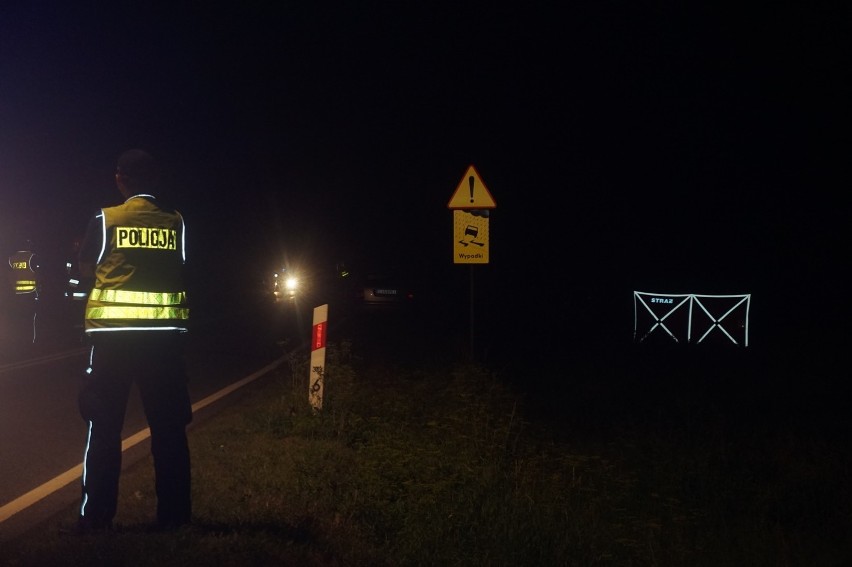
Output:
x=472 y=334
x=471 y=203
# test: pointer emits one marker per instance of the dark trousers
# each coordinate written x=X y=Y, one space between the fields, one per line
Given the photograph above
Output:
x=154 y=361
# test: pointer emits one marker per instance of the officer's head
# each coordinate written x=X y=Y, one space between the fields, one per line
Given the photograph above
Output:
x=136 y=172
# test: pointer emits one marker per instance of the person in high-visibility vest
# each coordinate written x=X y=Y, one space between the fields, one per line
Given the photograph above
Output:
x=24 y=278
x=77 y=288
x=25 y=287
x=135 y=319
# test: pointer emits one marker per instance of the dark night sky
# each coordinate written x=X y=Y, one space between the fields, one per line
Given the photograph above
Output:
x=636 y=146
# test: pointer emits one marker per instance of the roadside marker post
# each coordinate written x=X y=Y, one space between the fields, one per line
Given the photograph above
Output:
x=316 y=378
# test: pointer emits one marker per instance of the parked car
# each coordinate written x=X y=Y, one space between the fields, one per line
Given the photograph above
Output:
x=377 y=289
x=383 y=289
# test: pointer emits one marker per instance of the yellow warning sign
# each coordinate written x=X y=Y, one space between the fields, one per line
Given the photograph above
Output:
x=471 y=193
x=470 y=237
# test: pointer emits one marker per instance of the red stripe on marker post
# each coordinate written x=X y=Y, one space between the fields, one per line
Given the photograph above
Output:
x=318 y=336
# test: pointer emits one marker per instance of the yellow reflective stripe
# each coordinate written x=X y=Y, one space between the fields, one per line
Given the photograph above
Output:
x=127 y=312
x=138 y=297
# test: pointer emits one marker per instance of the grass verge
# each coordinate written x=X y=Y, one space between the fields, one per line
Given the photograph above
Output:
x=411 y=467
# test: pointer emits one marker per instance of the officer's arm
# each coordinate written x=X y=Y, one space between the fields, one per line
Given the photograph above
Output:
x=87 y=270
x=90 y=249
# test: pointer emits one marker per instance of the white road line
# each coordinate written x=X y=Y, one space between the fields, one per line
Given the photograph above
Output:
x=72 y=474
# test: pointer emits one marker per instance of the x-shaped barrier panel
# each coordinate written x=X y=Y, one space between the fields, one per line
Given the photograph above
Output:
x=691 y=317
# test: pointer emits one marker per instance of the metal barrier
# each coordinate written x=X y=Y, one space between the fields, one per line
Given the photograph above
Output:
x=691 y=317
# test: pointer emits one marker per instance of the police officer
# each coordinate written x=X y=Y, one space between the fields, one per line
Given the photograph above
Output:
x=136 y=317
x=25 y=287
x=24 y=272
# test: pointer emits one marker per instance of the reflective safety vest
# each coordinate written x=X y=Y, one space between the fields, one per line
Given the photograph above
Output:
x=138 y=278
x=23 y=276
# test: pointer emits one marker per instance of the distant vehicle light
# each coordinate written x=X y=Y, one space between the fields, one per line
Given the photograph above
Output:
x=285 y=286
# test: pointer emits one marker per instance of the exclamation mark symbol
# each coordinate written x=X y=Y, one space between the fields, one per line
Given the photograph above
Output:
x=470 y=183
